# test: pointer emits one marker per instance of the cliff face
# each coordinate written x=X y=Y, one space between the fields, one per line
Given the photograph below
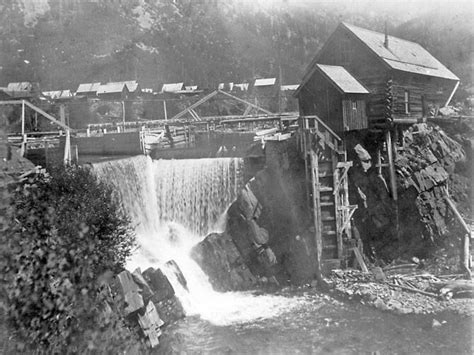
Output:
x=61 y=43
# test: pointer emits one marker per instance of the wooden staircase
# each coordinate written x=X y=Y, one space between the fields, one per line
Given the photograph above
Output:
x=327 y=190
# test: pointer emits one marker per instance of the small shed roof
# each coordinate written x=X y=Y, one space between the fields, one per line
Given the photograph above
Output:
x=342 y=79
x=265 y=82
x=111 y=88
x=21 y=86
x=172 y=87
x=87 y=87
x=401 y=54
x=289 y=87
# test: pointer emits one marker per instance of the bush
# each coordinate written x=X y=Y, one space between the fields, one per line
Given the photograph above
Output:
x=67 y=231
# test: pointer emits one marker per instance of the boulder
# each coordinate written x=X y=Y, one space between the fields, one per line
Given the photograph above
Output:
x=168 y=306
x=177 y=271
x=145 y=289
x=159 y=284
x=219 y=258
x=130 y=292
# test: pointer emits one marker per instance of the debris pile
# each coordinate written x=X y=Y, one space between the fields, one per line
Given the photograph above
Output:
x=147 y=301
x=417 y=292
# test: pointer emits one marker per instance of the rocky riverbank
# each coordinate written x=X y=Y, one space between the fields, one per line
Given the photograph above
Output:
x=416 y=292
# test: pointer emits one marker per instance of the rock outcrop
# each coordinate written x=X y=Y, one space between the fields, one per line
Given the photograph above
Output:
x=221 y=261
x=147 y=301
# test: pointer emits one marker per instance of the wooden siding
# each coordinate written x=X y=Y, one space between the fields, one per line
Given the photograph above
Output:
x=319 y=97
x=354 y=115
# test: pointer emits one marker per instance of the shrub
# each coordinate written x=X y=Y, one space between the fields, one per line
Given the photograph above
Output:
x=66 y=231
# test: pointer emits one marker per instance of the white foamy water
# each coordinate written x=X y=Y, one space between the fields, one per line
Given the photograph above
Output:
x=173 y=204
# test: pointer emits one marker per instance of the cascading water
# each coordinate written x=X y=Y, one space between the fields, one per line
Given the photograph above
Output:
x=173 y=204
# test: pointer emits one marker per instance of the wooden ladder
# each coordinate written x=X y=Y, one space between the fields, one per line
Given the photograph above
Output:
x=327 y=186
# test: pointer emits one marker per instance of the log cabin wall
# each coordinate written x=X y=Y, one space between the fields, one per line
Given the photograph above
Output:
x=415 y=95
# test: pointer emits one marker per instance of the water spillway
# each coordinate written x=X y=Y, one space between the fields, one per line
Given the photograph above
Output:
x=173 y=204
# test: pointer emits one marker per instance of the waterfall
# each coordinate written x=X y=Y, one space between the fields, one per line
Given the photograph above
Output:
x=173 y=204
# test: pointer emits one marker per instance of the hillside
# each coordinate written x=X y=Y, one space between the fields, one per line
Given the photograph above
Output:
x=61 y=43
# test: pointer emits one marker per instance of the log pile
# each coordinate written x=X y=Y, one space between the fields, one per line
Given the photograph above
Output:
x=147 y=301
x=414 y=293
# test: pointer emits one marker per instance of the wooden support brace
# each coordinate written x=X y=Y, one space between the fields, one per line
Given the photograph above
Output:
x=360 y=259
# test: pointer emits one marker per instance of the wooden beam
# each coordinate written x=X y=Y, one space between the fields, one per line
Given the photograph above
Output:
x=196 y=104
x=245 y=102
x=324 y=125
x=452 y=94
x=465 y=257
x=47 y=115
x=360 y=259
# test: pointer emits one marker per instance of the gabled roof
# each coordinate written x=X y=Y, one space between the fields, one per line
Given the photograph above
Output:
x=132 y=85
x=265 y=82
x=87 y=87
x=401 y=54
x=111 y=88
x=172 y=87
x=342 y=79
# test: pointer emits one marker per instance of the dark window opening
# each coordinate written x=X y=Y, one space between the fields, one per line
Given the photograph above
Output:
x=407 y=102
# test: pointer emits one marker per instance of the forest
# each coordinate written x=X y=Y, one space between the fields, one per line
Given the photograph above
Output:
x=61 y=43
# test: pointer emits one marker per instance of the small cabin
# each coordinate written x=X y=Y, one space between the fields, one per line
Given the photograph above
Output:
x=405 y=82
x=113 y=91
x=336 y=97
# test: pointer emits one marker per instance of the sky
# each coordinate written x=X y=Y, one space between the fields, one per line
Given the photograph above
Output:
x=399 y=8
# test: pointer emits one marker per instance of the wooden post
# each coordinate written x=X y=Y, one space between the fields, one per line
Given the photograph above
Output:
x=379 y=162
x=164 y=110
x=393 y=180
x=76 y=151
x=465 y=257
x=67 y=148
x=316 y=212
x=123 y=112
x=62 y=114
x=46 y=158
x=23 y=135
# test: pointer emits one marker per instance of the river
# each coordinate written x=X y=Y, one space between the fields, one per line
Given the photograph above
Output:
x=323 y=325
x=174 y=203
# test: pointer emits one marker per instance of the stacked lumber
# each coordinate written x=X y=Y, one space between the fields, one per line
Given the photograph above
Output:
x=147 y=300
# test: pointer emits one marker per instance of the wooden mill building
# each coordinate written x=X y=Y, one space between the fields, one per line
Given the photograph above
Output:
x=361 y=81
x=404 y=80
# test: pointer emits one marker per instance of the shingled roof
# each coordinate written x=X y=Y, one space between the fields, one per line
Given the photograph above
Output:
x=342 y=79
x=401 y=54
x=87 y=87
